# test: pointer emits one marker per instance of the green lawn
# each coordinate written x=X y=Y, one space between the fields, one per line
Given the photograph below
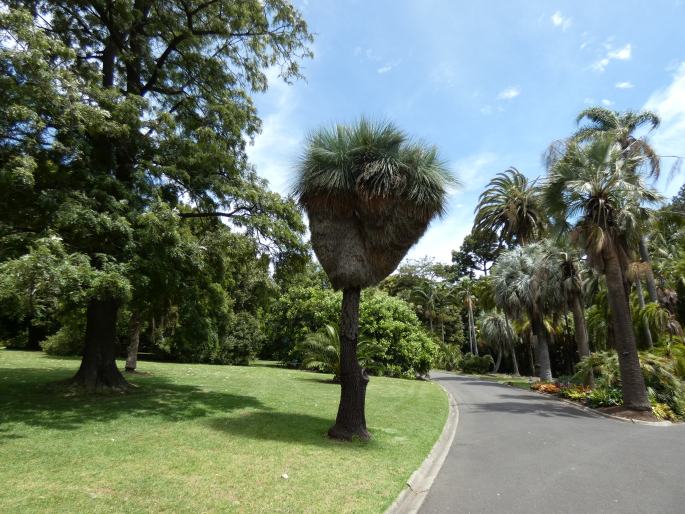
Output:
x=197 y=438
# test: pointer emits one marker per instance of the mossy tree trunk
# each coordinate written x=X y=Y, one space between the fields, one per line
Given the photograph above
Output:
x=350 y=422
x=98 y=371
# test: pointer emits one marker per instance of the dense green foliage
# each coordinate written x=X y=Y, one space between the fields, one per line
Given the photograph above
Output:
x=116 y=164
x=395 y=344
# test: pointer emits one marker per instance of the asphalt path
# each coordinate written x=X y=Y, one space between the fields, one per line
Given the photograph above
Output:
x=518 y=451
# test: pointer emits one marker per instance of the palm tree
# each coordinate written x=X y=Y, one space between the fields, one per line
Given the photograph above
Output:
x=510 y=206
x=621 y=127
x=498 y=334
x=525 y=284
x=572 y=286
x=369 y=194
x=321 y=350
x=592 y=192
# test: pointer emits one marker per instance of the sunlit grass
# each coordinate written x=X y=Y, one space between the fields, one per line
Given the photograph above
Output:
x=197 y=438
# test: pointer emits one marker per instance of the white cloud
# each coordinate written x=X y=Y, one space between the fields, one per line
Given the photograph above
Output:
x=384 y=69
x=669 y=138
x=624 y=85
x=509 y=93
x=559 y=20
x=622 y=54
x=607 y=102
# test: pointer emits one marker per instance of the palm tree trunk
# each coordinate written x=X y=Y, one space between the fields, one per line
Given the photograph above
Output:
x=350 y=421
x=498 y=362
x=540 y=334
x=632 y=381
x=531 y=357
x=651 y=283
x=514 y=361
x=645 y=324
x=580 y=334
x=134 y=341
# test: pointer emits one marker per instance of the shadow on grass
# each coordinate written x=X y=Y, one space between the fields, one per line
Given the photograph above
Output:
x=34 y=398
x=283 y=427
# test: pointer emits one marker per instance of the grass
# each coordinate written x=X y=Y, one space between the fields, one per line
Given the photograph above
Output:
x=199 y=438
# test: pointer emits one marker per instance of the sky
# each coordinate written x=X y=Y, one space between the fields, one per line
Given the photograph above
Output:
x=491 y=84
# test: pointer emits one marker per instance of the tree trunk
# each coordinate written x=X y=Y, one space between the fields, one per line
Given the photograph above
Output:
x=645 y=324
x=498 y=361
x=540 y=335
x=632 y=381
x=34 y=335
x=531 y=358
x=514 y=361
x=133 y=342
x=580 y=332
x=98 y=369
x=651 y=283
x=350 y=421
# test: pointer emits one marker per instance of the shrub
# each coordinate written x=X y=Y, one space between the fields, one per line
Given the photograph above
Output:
x=448 y=357
x=395 y=344
x=244 y=340
x=603 y=396
x=476 y=365
x=68 y=340
x=576 y=393
x=546 y=387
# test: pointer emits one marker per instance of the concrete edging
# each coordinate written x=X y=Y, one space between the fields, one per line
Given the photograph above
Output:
x=411 y=498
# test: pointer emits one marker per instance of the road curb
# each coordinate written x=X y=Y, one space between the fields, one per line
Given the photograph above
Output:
x=411 y=498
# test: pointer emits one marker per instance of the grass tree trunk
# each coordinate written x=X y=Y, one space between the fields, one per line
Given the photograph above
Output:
x=133 y=342
x=632 y=381
x=645 y=324
x=651 y=283
x=350 y=422
x=98 y=371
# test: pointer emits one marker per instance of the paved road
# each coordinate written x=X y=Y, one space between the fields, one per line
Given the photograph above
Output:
x=517 y=451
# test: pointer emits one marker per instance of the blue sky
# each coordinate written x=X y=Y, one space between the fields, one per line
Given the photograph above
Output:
x=490 y=83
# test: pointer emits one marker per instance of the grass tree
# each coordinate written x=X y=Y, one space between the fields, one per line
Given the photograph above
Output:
x=592 y=192
x=510 y=206
x=525 y=284
x=369 y=193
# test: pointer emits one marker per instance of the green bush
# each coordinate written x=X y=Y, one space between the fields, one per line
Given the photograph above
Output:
x=661 y=374
x=448 y=357
x=395 y=342
x=476 y=365
x=68 y=340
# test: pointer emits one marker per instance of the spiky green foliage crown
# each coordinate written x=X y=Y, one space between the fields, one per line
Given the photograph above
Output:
x=371 y=160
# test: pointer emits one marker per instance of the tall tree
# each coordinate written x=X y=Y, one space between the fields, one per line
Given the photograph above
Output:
x=593 y=192
x=169 y=85
x=622 y=127
x=370 y=195
x=525 y=283
x=510 y=207
x=477 y=253
x=498 y=334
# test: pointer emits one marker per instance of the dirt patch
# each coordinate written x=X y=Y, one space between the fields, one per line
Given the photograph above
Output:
x=622 y=412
